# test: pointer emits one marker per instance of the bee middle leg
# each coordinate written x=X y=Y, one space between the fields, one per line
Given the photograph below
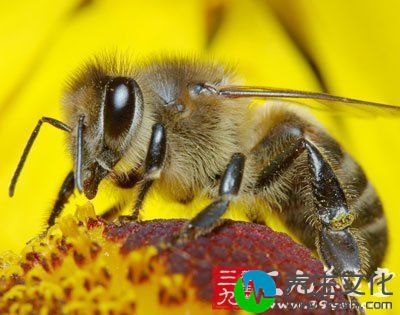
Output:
x=209 y=217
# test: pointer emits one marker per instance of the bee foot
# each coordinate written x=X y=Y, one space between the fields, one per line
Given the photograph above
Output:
x=339 y=249
x=126 y=219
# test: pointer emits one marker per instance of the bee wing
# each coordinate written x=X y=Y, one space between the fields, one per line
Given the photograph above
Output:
x=314 y=100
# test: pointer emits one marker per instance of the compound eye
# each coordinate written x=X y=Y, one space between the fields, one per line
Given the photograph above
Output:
x=119 y=106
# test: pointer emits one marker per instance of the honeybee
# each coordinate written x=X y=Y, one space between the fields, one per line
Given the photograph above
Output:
x=183 y=122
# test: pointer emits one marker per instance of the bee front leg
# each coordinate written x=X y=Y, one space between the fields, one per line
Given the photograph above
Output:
x=209 y=217
x=153 y=165
x=66 y=190
x=112 y=212
x=123 y=181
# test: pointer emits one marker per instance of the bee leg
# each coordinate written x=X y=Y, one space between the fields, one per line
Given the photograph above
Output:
x=113 y=211
x=55 y=123
x=337 y=243
x=339 y=249
x=340 y=252
x=126 y=181
x=229 y=187
x=152 y=165
x=339 y=246
x=67 y=188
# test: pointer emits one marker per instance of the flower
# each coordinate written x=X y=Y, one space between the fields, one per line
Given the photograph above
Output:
x=353 y=45
x=85 y=265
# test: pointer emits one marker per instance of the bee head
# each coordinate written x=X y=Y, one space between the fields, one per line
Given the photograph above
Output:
x=105 y=112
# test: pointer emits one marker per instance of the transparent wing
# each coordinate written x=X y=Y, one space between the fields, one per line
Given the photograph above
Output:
x=314 y=100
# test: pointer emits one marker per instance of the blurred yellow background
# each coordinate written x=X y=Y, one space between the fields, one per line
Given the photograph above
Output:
x=354 y=45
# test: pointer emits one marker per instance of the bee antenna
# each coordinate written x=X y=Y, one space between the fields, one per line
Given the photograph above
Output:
x=55 y=123
x=78 y=154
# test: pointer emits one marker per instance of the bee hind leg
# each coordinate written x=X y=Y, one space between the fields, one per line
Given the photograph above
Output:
x=337 y=243
x=339 y=246
x=339 y=249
